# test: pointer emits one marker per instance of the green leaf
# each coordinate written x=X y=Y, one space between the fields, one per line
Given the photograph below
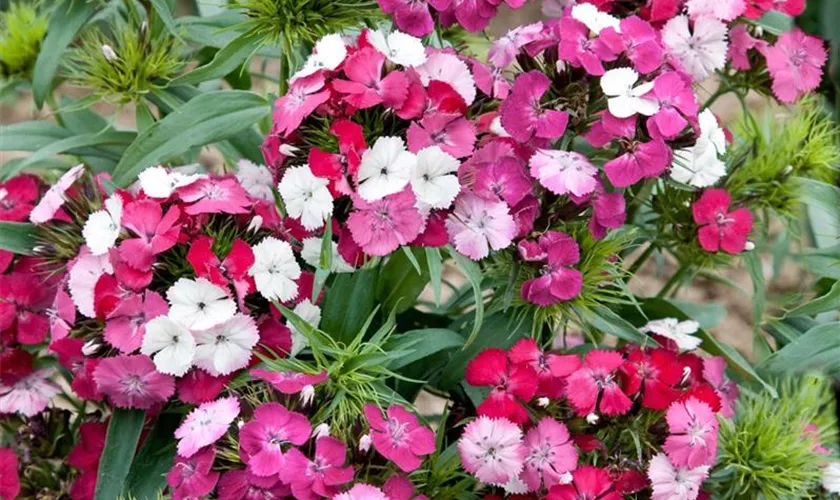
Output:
x=147 y=476
x=350 y=301
x=120 y=444
x=817 y=349
x=709 y=315
x=756 y=272
x=64 y=146
x=17 y=237
x=435 y=261
x=400 y=282
x=474 y=277
x=603 y=318
x=775 y=22
x=787 y=330
x=422 y=344
x=828 y=302
x=30 y=136
x=824 y=262
x=66 y=20
x=143 y=116
x=78 y=117
x=164 y=11
x=203 y=120
x=227 y=60
x=823 y=201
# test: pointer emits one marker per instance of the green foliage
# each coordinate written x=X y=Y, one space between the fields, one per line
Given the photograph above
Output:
x=120 y=443
x=765 y=451
x=22 y=29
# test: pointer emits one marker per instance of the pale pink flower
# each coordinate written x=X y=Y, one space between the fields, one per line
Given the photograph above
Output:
x=795 y=62
x=194 y=476
x=702 y=50
x=381 y=226
x=492 y=450
x=215 y=195
x=261 y=440
x=452 y=132
x=289 y=382
x=362 y=492
x=675 y=483
x=551 y=454
x=29 y=395
x=564 y=172
x=133 y=382
x=53 y=199
x=126 y=324
x=505 y=49
x=302 y=99
x=205 y=425
x=725 y=10
x=693 y=427
x=476 y=225
x=400 y=438
x=320 y=476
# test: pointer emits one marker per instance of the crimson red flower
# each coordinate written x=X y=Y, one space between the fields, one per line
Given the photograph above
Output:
x=594 y=387
x=721 y=229
x=550 y=368
x=233 y=269
x=17 y=197
x=587 y=483
x=85 y=455
x=510 y=382
x=198 y=386
x=654 y=373
x=24 y=299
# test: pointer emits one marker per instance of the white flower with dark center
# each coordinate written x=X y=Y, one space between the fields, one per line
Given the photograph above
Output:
x=311 y=254
x=434 y=180
x=329 y=53
x=309 y=312
x=385 y=169
x=306 y=196
x=702 y=51
x=157 y=182
x=102 y=227
x=624 y=96
x=199 y=304
x=170 y=345
x=681 y=332
x=275 y=270
x=700 y=165
x=256 y=179
x=594 y=19
x=399 y=47
x=227 y=347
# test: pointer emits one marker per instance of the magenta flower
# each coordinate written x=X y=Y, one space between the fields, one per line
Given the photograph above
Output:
x=133 y=382
x=639 y=41
x=609 y=211
x=721 y=229
x=320 y=476
x=410 y=16
x=399 y=487
x=496 y=170
x=505 y=49
x=595 y=386
x=581 y=51
x=213 y=195
x=366 y=87
x=156 y=232
x=714 y=373
x=557 y=282
x=740 y=44
x=86 y=453
x=289 y=382
x=198 y=386
x=677 y=105
x=24 y=300
x=62 y=315
x=478 y=224
x=694 y=430
x=262 y=439
x=451 y=131
x=381 y=226
x=643 y=159
x=587 y=482
x=302 y=99
x=550 y=454
x=795 y=62
x=205 y=425
x=511 y=384
x=400 y=438
x=9 y=478
x=243 y=485
x=522 y=115
x=564 y=172
x=126 y=324
x=193 y=477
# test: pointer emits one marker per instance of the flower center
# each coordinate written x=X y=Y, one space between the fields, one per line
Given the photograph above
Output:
x=133 y=385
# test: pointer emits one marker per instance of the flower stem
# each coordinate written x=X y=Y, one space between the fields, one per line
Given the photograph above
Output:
x=640 y=261
x=675 y=282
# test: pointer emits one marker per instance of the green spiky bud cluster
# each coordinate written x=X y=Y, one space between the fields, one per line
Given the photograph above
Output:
x=22 y=28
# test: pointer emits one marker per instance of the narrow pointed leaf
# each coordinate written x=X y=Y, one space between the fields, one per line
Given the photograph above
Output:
x=17 y=237
x=120 y=445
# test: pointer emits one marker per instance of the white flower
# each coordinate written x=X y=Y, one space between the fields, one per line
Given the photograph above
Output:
x=275 y=270
x=434 y=180
x=399 y=48
x=157 y=182
x=594 y=19
x=680 y=332
x=226 y=348
x=702 y=52
x=306 y=196
x=102 y=227
x=700 y=165
x=256 y=179
x=171 y=346
x=625 y=100
x=497 y=128
x=725 y=10
x=199 y=304
x=672 y=483
x=311 y=254
x=831 y=477
x=329 y=53
x=310 y=313
x=385 y=169
x=516 y=486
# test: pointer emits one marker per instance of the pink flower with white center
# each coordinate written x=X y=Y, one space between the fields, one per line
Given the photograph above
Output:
x=522 y=114
x=215 y=195
x=155 y=232
x=714 y=373
x=564 y=172
x=53 y=199
x=24 y=298
x=126 y=324
x=194 y=476
x=302 y=99
x=795 y=63
x=740 y=43
x=261 y=440
x=725 y=10
x=694 y=429
x=675 y=483
x=133 y=382
x=677 y=104
x=505 y=49
x=452 y=132
x=411 y=16
x=702 y=50
x=448 y=68
x=400 y=438
x=29 y=395
x=320 y=476
x=639 y=41
x=492 y=450
x=594 y=388
x=557 y=281
x=85 y=271
x=381 y=226
x=289 y=382
x=477 y=224
x=245 y=485
x=362 y=492
x=721 y=229
x=579 y=50
x=551 y=454
x=366 y=87
x=205 y=425
x=642 y=160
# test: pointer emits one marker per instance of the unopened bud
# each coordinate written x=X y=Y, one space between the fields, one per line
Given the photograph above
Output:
x=750 y=246
x=759 y=31
x=322 y=430
x=787 y=170
x=565 y=478
x=255 y=224
x=307 y=395
x=240 y=423
x=592 y=418
x=109 y=53
x=686 y=374
x=91 y=347
x=543 y=402
x=288 y=150
x=365 y=442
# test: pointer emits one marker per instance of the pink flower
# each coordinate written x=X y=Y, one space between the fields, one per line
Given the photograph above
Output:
x=505 y=49
x=581 y=51
x=17 y=197
x=556 y=252
x=362 y=492
x=156 y=232
x=495 y=170
x=608 y=212
x=693 y=427
x=261 y=440
x=133 y=382
x=244 y=485
x=550 y=368
x=29 y=395
x=233 y=269
x=410 y=16
x=366 y=87
x=450 y=70
x=53 y=199
x=476 y=225
x=194 y=476
x=521 y=114
x=587 y=482
x=289 y=382
x=472 y=15
x=594 y=388
x=677 y=104
x=451 y=131
x=740 y=43
x=400 y=438
x=399 y=487
x=643 y=159
x=205 y=425
x=213 y=195
x=9 y=479
x=491 y=449
x=198 y=386
x=126 y=324
x=550 y=454
x=675 y=483
x=318 y=477
x=638 y=40
x=512 y=384
x=721 y=229
x=795 y=62
x=62 y=315
x=714 y=373
x=24 y=298
x=302 y=99
x=381 y=226
x=491 y=81
x=564 y=172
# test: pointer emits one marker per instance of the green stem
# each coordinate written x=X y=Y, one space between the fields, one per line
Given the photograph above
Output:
x=675 y=280
x=722 y=90
x=639 y=262
x=285 y=65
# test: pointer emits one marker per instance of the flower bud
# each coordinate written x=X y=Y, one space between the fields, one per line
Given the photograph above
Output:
x=543 y=402
x=750 y=246
x=322 y=430
x=91 y=347
x=109 y=53
x=365 y=442
x=307 y=395
x=255 y=224
x=289 y=150
x=592 y=418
